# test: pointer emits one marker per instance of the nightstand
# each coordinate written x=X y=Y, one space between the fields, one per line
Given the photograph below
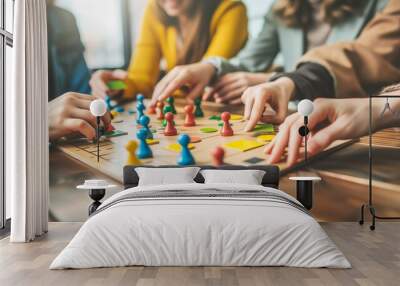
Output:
x=304 y=190
x=97 y=190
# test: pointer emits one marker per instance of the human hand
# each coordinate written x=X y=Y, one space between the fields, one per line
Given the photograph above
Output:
x=230 y=87
x=195 y=76
x=276 y=94
x=99 y=79
x=332 y=119
x=70 y=113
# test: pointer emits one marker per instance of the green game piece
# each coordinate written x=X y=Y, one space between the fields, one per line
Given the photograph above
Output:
x=171 y=102
x=198 y=112
x=116 y=85
x=115 y=133
x=215 y=117
x=167 y=109
x=164 y=123
x=264 y=128
x=131 y=111
x=208 y=130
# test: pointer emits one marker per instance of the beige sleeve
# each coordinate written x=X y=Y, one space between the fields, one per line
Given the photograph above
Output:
x=368 y=63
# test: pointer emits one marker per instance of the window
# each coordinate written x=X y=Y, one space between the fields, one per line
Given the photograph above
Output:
x=105 y=34
x=6 y=43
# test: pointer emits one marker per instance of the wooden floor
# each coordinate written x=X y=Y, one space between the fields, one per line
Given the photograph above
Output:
x=375 y=257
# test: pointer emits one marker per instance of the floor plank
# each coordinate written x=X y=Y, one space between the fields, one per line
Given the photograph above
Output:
x=375 y=257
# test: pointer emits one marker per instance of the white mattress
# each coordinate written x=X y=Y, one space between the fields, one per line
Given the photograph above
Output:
x=200 y=231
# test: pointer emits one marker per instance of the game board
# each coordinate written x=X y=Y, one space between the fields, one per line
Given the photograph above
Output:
x=113 y=155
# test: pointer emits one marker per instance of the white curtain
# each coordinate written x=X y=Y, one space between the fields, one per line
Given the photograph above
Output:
x=26 y=119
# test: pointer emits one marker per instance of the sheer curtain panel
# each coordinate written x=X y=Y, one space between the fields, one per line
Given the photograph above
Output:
x=27 y=129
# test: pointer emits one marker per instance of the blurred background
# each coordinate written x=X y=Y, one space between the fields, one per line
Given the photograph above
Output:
x=119 y=23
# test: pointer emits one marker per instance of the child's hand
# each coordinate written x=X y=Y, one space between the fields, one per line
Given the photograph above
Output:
x=99 y=80
x=70 y=113
x=275 y=94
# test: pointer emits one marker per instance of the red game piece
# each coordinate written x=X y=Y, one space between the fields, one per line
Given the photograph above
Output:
x=160 y=107
x=170 y=129
x=218 y=156
x=152 y=109
x=189 y=119
x=226 y=128
x=110 y=128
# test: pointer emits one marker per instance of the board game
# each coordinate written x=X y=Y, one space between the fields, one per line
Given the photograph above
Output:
x=243 y=148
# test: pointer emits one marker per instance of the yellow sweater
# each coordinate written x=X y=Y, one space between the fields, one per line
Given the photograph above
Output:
x=228 y=33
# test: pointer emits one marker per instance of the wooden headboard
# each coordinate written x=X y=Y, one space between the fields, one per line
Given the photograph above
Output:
x=271 y=178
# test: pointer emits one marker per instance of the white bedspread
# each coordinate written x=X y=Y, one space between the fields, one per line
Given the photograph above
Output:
x=188 y=231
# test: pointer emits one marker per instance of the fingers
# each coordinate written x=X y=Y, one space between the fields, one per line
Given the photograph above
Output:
x=175 y=84
x=98 y=83
x=195 y=92
x=162 y=85
x=236 y=101
x=248 y=101
x=294 y=144
x=256 y=111
x=232 y=95
x=120 y=74
x=208 y=94
x=81 y=126
x=323 y=138
x=225 y=80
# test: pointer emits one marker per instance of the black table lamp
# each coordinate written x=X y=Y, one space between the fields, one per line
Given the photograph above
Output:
x=305 y=108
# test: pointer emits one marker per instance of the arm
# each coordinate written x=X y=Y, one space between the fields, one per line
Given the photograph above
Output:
x=257 y=56
x=231 y=33
x=144 y=68
x=368 y=63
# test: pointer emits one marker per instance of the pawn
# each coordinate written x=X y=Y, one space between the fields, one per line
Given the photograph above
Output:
x=159 y=110
x=144 y=150
x=152 y=109
x=218 y=156
x=144 y=121
x=171 y=102
x=140 y=98
x=167 y=109
x=170 y=129
x=226 y=128
x=139 y=111
x=198 y=112
x=185 y=158
x=190 y=118
x=131 y=147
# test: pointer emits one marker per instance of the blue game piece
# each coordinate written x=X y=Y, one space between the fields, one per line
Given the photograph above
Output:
x=186 y=157
x=139 y=111
x=140 y=98
x=119 y=109
x=144 y=121
x=108 y=103
x=144 y=150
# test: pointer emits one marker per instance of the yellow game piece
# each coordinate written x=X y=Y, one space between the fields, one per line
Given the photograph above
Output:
x=177 y=147
x=114 y=113
x=152 y=141
x=266 y=138
x=236 y=117
x=131 y=147
x=244 y=145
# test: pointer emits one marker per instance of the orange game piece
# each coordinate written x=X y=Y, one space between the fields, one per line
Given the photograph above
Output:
x=195 y=139
x=170 y=129
x=190 y=118
x=152 y=109
x=159 y=111
x=218 y=156
x=226 y=128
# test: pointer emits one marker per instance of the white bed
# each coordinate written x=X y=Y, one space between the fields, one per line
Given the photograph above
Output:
x=224 y=225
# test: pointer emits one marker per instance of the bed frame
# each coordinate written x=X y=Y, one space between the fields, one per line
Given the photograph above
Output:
x=270 y=179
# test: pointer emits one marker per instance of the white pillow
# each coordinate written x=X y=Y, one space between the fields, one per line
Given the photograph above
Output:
x=166 y=176
x=247 y=177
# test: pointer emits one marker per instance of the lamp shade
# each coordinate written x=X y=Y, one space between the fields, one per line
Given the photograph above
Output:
x=305 y=107
x=98 y=107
